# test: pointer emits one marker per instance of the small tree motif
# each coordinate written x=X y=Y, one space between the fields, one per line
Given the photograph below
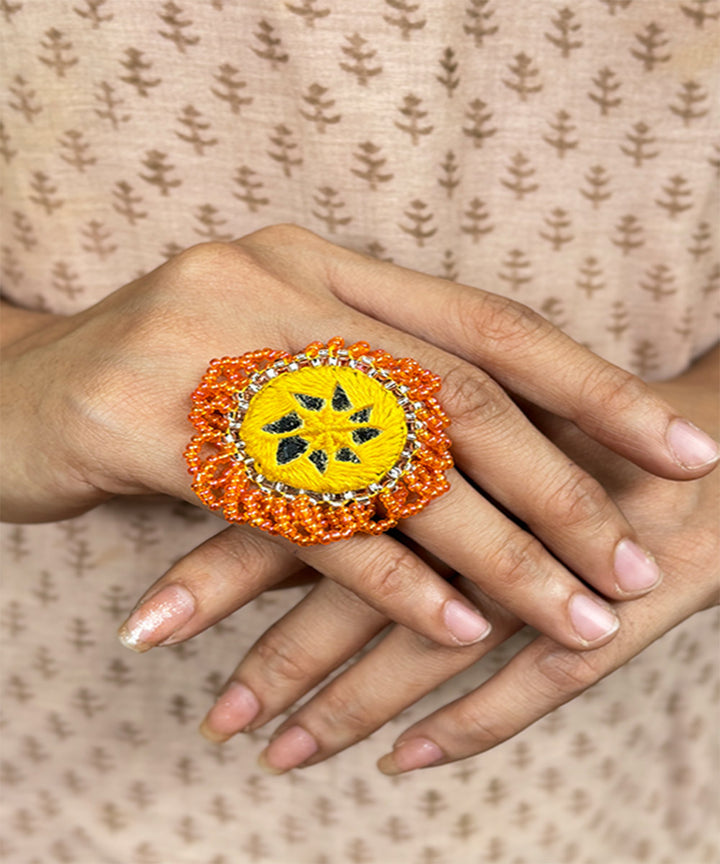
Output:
x=372 y=163
x=230 y=87
x=97 y=239
x=320 y=106
x=431 y=803
x=270 y=50
x=9 y=9
x=701 y=241
x=714 y=161
x=395 y=829
x=284 y=154
x=126 y=202
x=158 y=172
x=375 y=249
x=329 y=209
x=565 y=28
x=590 y=278
x=360 y=59
x=194 y=128
x=597 y=179
x=700 y=11
x=109 y=104
x=118 y=673
x=677 y=196
x=58 y=49
x=92 y=12
x=516 y=269
x=80 y=635
x=477 y=24
x=449 y=266
x=11 y=268
x=558 y=223
x=255 y=848
x=24 y=99
x=685 y=324
x=59 y=726
x=324 y=811
x=553 y=309
x=112 y=817
x=652 y=43
x=640 y=143
x=136 y=68
x=44 y=193
x=614 y=5
x=645 y=358
x=13 y=619
x=525 y=77
x=405 y=20
x=5 y=150
x=76 y=150
x=24 y=232
x=606 y=86
x=479 y=119
x=520 y=171
x=659 y=282
x=249 y=189
x=628 y=234
x=171 y=17
x=419 y=222
x=115 y=601
x=448 y=180
x=562 y=139
x=209 y=224
x=477 y=217
x=307 y=11
x=689 y=99
x=713 y=280
x=465 y=826
x=449 y=65
x=414 y=115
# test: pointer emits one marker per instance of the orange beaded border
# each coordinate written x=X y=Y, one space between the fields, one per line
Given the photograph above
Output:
x=222 y=480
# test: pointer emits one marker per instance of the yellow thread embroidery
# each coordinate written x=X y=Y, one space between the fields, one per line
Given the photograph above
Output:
x=324 y=429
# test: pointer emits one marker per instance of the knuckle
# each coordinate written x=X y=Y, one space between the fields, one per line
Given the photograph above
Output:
x=504 y=324
x=388 y=576
x=518 y=560
x=578 y=499
x=476 y=727
x=283 y=658
x=472 y=398
x=615 y=389
x=566 y=672
x=282 y=234
x=344 y=708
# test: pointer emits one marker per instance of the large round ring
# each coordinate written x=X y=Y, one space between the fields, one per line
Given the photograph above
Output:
x=318 y=445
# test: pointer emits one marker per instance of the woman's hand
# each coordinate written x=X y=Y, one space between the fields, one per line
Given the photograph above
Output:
x=96 y=406
x=679 y=520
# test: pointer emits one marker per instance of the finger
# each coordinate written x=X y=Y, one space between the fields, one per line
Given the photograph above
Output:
x=212 y=581
x=393 y=675
x=330 y=625
x=530 y=357
x=537 y=680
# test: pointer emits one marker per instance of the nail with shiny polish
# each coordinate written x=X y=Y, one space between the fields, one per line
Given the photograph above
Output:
x=690 y=446
x=290 y=749
x=465 y=624
x=235 y=707
x=590 y=619
x=409 y=755
x=157 y=618
x=635 y=569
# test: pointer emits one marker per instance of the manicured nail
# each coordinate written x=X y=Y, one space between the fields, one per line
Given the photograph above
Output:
x=290 y=749
x=635 y=568
x=236 y=706
x=157 y=619
x=465 y=624
x=591 y=620
x=690 y=446
x=409 y=755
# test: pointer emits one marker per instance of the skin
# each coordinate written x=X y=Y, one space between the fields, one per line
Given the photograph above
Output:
x=111 y=386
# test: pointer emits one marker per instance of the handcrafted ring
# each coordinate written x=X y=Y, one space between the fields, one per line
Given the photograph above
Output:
x=318 y=445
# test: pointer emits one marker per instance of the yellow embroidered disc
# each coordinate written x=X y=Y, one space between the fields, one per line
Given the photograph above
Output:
x=324 y=429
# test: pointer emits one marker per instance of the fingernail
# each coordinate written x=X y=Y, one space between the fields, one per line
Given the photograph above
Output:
x=157 y=619
x=591 y=620
x=465 y=624
x=411 y=754
x=236 y=706
x=288 y=750
x=690 y=446
x=635 y=568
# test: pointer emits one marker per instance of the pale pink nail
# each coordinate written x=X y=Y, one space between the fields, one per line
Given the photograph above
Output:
x=411 y=754
x=635 y=569
x=690 y=446
x=591 y=620
x=465 y=624
x=236 y=706
x=290 y=749
x=158 y=618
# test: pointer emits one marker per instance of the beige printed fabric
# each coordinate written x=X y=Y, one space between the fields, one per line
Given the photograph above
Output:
x=565 y=154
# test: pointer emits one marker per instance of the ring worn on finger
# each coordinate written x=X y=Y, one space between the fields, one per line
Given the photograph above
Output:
x=319 y=445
